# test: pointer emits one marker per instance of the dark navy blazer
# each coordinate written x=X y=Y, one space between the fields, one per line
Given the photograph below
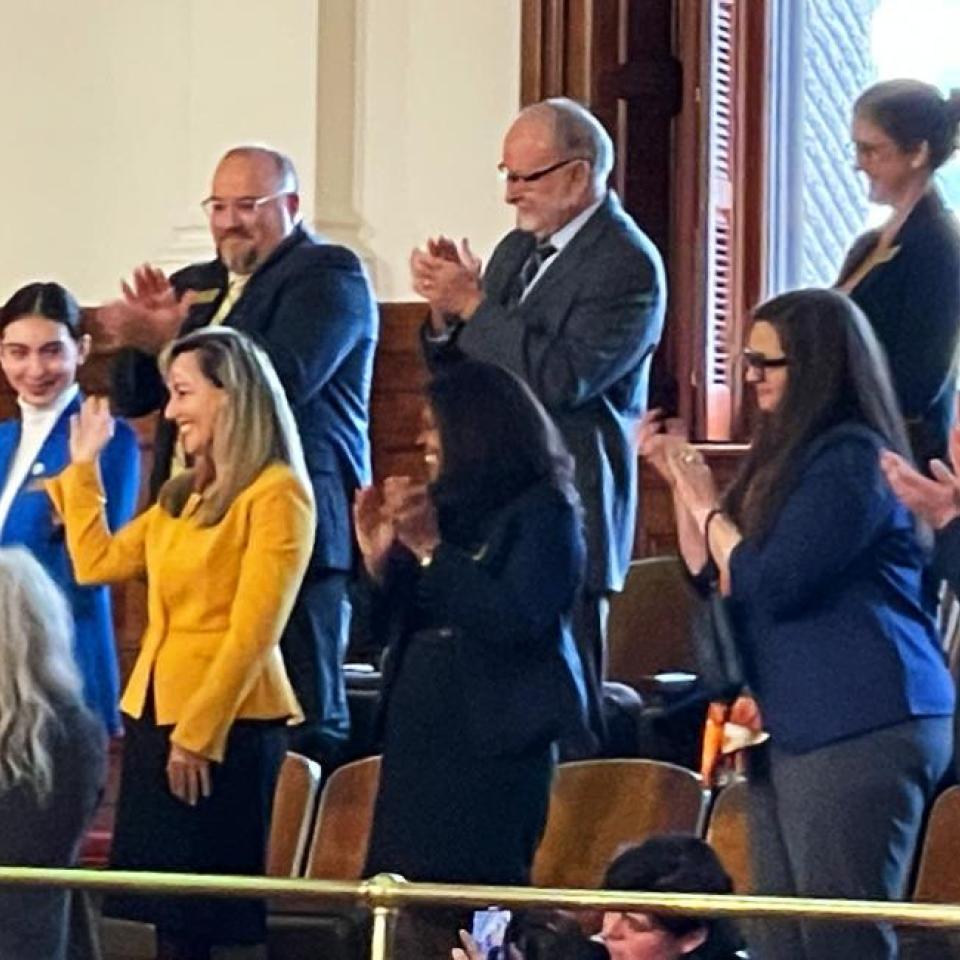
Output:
x=505 y=608
x=913 y=303
x=33 y=523
x=311 y=307
x=828 y=605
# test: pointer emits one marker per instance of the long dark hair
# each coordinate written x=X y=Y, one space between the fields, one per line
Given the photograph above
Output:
x=836 y=373
x=43 y=299
x=497 y=442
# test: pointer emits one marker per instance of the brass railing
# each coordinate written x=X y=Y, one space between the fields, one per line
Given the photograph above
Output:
x=386 y=893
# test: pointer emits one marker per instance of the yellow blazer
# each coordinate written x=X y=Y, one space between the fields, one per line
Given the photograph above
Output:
x=218 y=599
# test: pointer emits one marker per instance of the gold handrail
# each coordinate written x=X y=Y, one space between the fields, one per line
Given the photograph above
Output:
x=386 y=893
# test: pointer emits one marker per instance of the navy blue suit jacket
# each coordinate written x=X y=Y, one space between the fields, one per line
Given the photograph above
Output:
x=506 y=610
x=583 y=340
x=829 y=604
x=913 y=304
x=311 y=307
x=33 y=523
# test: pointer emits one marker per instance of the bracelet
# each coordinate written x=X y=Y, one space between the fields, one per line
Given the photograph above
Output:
x=709 y=518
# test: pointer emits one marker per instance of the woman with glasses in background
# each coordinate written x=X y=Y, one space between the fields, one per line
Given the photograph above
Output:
x=822 y=566
x=906 y=275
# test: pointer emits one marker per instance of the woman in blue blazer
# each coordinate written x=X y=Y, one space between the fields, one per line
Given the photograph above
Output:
x=822 y=567
x=41 y=348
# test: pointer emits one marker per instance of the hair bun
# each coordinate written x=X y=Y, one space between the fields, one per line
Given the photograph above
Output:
x=953 y=105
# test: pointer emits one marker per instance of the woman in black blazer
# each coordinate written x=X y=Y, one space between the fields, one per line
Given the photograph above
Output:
x=906 y=275
x=476 y=578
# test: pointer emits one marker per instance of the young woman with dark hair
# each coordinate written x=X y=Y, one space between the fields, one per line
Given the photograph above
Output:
x=476 y=578
x=41 y=349
x=822 y=568
x=906 y=275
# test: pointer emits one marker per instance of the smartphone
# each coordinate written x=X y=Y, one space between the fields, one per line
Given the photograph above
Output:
x=489 y=928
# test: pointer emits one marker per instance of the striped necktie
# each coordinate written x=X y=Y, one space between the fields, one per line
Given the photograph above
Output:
x=531 y=267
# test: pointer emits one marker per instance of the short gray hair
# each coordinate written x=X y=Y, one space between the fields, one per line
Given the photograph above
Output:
x=287 y=179
x=577 y=133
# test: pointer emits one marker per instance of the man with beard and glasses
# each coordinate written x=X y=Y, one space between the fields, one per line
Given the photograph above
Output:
x=309 y=304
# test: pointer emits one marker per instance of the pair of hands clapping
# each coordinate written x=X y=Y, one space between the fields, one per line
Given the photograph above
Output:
x=447 y=276
x=399 y=512
x=936 y=499
x=679 y=463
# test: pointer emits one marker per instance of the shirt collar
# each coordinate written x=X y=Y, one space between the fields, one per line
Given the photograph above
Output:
x=569 y=230
x=31 y=413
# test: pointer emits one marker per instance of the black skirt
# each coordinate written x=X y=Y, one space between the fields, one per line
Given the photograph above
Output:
x=224 y=833
x=443 y=812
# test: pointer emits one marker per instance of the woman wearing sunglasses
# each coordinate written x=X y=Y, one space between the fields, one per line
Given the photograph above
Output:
x=822 y=568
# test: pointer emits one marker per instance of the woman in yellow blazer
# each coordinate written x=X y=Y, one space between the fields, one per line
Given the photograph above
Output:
x=223 y=552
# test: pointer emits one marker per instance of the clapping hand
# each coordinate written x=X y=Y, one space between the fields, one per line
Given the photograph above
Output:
x=935 y=500
x=374 y=529
x=90 y=430
x=415 y=519
x=447 y=277
x=148 y=314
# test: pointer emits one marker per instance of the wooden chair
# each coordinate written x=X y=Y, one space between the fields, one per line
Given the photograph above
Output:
x=648 y=631
x=598 y=807
x=294 y=804
x=344 y=819
x=727 y=833
x=938 y=879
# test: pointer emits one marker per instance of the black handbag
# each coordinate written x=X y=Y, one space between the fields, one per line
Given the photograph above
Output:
x=720 y=674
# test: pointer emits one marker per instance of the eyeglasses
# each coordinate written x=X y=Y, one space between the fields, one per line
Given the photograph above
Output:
x=244 y=207
x=760 y=363
x=510 y=176
x=863 y=150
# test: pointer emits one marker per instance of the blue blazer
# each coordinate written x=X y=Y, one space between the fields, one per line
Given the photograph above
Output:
x=32 y=523
x=829 y=604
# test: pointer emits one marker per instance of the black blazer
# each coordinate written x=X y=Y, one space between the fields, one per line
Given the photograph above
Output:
x=583 y=340
x=913 y=303
x=311 y=307
x=505 y=608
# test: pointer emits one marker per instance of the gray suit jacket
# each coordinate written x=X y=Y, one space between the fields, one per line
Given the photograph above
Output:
x=583 y=339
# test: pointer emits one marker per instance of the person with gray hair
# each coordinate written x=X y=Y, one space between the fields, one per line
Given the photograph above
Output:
x=52 y=753
x=572 y=302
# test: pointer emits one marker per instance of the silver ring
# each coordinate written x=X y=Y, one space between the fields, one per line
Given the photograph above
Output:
x=691 y=456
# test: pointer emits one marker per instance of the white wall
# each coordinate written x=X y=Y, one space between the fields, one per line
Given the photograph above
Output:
x=115 y=111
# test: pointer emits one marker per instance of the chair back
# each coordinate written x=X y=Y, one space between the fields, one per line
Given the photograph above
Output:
x=938 y=879
x=598 y=807
x=650 y=622
x=344 y=819
x=294 y=804
x=728 y=834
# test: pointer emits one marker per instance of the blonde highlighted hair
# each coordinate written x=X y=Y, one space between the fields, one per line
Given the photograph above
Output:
x=254 y=428
x=38 y=675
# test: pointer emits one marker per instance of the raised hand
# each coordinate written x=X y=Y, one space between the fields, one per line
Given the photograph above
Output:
x=936 y=501
x=90 y=430
x=148 y=314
